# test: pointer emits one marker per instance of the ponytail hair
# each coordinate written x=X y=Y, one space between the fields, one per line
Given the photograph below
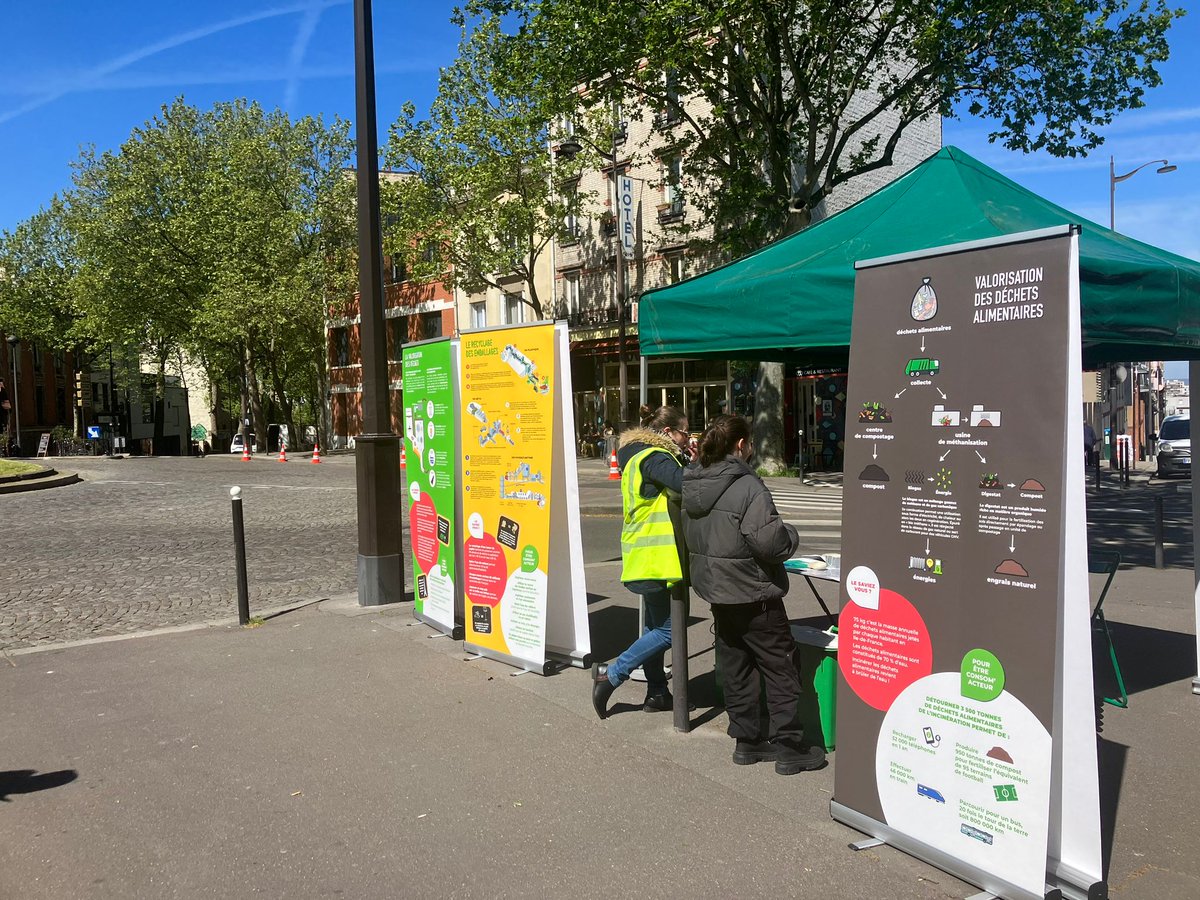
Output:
x=663 y=417
x=721 y=438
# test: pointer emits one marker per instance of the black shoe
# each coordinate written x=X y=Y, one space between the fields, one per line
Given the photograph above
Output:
x=794 y=757
x=602 y=689
x=747 y=753
x=663 y=702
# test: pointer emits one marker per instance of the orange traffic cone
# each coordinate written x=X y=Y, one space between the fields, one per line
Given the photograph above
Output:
x=283 y=452
x=403 y=458
x=245 y=453
x=614 y=474
x=316 y=460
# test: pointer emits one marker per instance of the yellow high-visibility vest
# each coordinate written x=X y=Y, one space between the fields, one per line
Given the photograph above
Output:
x=648 y=548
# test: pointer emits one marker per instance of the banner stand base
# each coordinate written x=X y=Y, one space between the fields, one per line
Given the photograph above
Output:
x=1076 y=885
x=566 y=658
x=866 y=844
x=549 y=667
x=456 y=632
x=935 y=857
x=1196 y=685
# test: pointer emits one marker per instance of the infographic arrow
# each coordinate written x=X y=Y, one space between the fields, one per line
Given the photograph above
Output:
x=981 y=456
x=922 y=343
x=926 y=546
x=1012 y=543
x=940 y=391
x=944 y=455
x=897 y=397
x=874 y=451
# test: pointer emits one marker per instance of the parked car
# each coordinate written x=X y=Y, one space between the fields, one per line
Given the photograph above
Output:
x=1175 y=446
x=236 y=445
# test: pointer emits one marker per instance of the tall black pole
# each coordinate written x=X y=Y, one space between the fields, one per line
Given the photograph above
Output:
x=377 y=449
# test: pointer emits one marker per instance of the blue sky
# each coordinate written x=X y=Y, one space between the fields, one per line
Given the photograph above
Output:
x=76 y=73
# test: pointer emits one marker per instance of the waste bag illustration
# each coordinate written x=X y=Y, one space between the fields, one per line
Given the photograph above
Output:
x=924 y=302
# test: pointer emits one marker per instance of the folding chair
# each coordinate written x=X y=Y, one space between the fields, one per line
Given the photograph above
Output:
x=1106 y=562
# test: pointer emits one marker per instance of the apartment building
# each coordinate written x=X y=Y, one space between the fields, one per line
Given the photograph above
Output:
x=665 y=226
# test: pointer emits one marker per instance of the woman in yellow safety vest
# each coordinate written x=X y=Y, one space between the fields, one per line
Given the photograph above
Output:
x=651 y=459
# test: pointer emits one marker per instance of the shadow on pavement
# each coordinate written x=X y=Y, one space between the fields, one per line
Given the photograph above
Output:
x=27 y=781
x=1112 y=774
x=1149 y=657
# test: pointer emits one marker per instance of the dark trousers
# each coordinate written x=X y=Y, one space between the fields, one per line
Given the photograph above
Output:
x=754 y=639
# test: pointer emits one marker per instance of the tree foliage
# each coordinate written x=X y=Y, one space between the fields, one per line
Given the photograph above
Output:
x=37 y=270
x=220 y=234
x=801 y=96
x=479 y=197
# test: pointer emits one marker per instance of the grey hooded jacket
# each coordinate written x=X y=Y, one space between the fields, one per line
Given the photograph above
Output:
x=735 y=537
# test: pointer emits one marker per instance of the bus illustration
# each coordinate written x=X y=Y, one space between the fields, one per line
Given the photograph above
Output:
x=922 y=366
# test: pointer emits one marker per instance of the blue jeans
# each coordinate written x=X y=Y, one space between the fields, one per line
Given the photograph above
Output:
x=648 y=650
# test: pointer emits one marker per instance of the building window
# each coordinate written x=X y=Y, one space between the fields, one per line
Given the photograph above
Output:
x=431 y=325
x=479 y=315
x=571 y=292
x=61 y=414
x=397 y=328
x=341 y=346
x=38 y=363
x=675 y=268
x=570 y=192
x=513 y=309
x=429 y=254
x=39 y=402
x=397 y=271
x=672 y=179
x=58 y=362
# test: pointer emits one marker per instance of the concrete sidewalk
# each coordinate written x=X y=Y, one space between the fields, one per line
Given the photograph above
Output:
x=344 y=751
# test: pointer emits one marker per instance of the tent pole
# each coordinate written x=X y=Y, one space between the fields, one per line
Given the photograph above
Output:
x=1194 y=378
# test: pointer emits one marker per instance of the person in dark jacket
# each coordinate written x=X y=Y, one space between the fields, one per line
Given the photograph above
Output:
x=737 y=544
x=651 y=459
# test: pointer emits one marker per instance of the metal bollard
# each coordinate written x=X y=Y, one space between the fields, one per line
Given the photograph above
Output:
x=1159 y=562
x=679 y=657
x=239 y=547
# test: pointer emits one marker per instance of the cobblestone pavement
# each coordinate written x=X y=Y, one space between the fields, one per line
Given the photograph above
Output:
x=147 y=543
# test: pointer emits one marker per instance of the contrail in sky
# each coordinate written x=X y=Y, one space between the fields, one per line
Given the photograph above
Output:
x=134 y=56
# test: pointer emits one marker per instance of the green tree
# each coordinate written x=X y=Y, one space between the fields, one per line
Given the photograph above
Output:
x=800 y=97
x=479 y=197
x=37 y=272
x=218 y=235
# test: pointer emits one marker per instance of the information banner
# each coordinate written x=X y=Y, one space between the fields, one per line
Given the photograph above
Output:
x=429 y=374
x=953 y=530
x=508 y=398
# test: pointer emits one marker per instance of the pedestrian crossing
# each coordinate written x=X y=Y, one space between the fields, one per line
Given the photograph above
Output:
x=815 y=513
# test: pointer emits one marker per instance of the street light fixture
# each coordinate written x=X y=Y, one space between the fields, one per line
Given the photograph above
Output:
x=13 y=343
x=1114 y=178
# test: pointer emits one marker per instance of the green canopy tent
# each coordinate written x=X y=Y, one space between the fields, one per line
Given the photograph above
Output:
x=793 y=298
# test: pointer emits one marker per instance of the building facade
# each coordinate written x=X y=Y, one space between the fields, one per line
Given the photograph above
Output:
x=665 y=228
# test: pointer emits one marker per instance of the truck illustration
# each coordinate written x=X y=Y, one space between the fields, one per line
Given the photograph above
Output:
x=922 y=366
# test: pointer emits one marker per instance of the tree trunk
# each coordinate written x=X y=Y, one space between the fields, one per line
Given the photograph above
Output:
x=287 y=407
x=324 y=406
x=256 y=407
x=768 y=418
x=160 y=403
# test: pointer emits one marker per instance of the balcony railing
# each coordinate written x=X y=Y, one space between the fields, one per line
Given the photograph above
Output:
x=670 y=212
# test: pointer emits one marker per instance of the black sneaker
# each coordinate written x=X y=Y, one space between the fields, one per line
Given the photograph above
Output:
x=747 y=753
x=602 y=689
x=794 y=757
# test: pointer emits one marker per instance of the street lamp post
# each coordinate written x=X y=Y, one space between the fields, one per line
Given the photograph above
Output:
x=377 y=449
x=1114 y=179
x=14 y=343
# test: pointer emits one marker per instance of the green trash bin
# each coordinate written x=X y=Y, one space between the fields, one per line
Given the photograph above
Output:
x=816 y=660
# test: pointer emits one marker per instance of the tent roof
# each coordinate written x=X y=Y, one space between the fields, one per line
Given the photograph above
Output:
x=793 y=298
